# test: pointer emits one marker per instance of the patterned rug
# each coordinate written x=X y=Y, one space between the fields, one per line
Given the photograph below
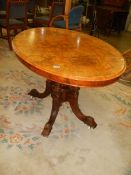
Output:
x=71 y=148
x=126 y=77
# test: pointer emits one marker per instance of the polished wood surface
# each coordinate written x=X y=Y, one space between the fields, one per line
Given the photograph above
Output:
x=67 y=6
x=69 y=57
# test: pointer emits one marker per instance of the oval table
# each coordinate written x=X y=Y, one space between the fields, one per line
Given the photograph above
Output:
x=68 y=60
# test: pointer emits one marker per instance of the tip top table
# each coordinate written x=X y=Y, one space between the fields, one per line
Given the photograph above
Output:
x=68 y=60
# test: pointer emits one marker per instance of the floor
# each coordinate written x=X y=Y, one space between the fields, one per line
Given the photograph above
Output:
x=120 y=41
x=71 y=148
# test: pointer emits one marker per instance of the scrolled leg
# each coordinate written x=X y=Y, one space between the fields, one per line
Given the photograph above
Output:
x=56 y=103
x=73 y=100
x=35 y=93
x=61 y=93
x=48 y=126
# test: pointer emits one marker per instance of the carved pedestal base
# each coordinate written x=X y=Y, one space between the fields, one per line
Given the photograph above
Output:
x=61 y=93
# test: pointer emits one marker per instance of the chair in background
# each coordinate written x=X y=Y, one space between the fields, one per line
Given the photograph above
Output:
x=71 y=21
x=57 y=8
x=2 y=9
x=16 y=18
x=31 y=11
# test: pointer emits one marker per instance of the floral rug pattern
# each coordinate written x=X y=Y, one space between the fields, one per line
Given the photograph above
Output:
x=71 y=148
x=14 y=97
x=17 y=98
x=126 y=77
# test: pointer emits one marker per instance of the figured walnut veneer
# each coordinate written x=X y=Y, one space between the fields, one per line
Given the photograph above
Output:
x=68 y=60
x=69 y=57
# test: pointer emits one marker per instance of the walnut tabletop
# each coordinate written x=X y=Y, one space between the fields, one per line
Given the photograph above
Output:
x=68 y=60
x=69 y=57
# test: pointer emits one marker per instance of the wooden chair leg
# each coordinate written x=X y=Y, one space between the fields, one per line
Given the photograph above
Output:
x=15 y=31
x=9 y=39
x=1 y=34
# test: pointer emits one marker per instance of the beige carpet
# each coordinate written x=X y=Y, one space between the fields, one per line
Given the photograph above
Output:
x=71 y=148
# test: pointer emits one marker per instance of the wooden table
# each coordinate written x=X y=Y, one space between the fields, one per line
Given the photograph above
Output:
x=69 y=60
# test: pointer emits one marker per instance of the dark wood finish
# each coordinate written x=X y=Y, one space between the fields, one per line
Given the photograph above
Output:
x=31 y=12
x=118 y=14
x=104 y=21
x=15 y=10
x=114 y=3
x=45 y=3
x=61 y=93
x=68 y=60
x=117 y=9
x=2 y=9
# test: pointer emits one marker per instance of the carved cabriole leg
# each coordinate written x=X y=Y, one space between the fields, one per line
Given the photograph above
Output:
x=61 y=93
x=35 y=93
x=56 y=103
x=73 y=100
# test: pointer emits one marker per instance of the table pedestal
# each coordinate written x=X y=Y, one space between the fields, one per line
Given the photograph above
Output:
x=61 y=93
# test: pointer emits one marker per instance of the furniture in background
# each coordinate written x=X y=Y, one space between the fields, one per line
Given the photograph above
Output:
x=126 y=76
x=71 y=21
x=114 y=3
x=118 y=11
x=56 y=9
x=69 y=60
x=103 y=21
x=44 y=3
x=16 y=18
x=31 y=12
x=2 y=9
x=47 y=3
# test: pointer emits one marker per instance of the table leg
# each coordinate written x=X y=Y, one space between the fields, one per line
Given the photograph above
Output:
x=61 y=93
x=73 y=100
x=35 y=93
x=56 y=103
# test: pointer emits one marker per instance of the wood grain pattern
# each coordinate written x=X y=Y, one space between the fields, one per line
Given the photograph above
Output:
x=69 y=57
